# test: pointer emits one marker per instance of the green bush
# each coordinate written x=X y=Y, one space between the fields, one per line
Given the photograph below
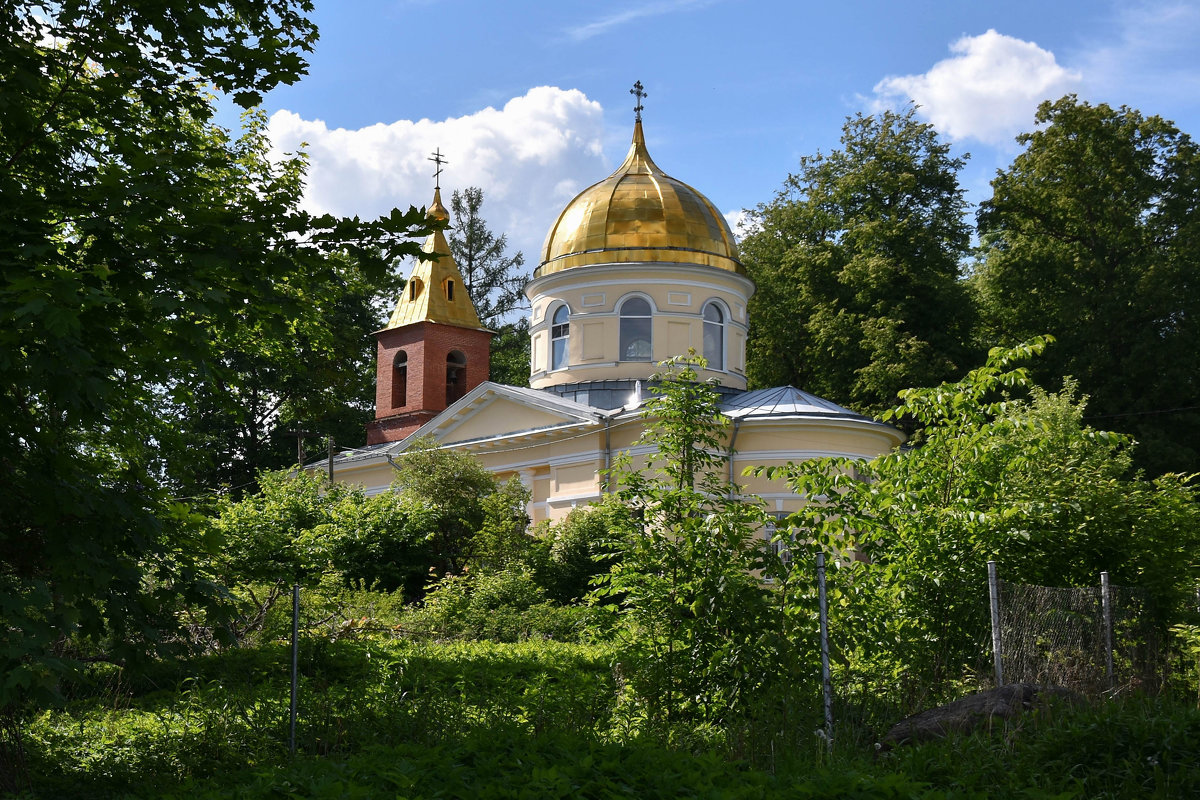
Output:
x=504 y=606
x=577 y=550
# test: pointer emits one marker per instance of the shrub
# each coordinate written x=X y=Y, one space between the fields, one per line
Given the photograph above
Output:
x=504 y=606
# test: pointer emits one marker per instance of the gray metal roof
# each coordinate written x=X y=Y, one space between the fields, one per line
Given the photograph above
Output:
x=785 y=401
x=778 y=402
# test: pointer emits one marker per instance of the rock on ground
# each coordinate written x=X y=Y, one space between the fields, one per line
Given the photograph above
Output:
x=975 y=711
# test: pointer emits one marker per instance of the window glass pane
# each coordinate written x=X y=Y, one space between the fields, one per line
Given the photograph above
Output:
x=714 y=345
x=456 y=376
x=635 y=339
x=635 y=307
x=559 y=332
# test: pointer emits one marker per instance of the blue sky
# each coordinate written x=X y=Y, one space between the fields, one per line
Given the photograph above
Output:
x=530 y=100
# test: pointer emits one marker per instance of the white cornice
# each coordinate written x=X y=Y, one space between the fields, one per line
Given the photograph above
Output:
x=636 y=273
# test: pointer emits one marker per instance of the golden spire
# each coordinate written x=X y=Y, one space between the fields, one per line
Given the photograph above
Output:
x=436 y=291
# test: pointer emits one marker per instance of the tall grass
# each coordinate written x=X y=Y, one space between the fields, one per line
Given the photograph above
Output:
x=385 y=718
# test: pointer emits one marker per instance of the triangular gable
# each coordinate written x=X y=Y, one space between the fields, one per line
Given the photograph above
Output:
x=492 y=410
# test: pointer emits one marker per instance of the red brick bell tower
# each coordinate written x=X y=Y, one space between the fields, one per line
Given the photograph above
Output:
x=434 y=349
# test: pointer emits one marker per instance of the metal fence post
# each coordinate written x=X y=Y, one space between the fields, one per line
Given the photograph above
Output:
x=1106 y=610
x=826 y=681
x=994 y=595
x=295 y=663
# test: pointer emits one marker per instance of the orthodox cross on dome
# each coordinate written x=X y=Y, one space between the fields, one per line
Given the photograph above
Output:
x=639 y=92
x=438 y=160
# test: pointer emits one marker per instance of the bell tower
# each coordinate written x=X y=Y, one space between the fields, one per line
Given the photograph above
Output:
x=434 y=349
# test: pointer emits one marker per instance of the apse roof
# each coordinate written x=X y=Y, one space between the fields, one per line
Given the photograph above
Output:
x=784 y=401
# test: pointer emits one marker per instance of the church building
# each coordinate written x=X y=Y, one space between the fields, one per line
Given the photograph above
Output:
x=636 y=269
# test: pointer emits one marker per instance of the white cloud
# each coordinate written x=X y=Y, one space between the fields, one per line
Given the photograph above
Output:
x=988 y=90
x=742 y=223
x=605 y=24
x=529 y=157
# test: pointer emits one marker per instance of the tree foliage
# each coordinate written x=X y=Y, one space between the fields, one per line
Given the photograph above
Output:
x=857 y=267
x=299 y=528
x=296 y=360
x=137 y=243
x=456 y=486
x=1093 y=235
x=495 y=283
x=700 y=641
x=493 y=277
x=1025 y=483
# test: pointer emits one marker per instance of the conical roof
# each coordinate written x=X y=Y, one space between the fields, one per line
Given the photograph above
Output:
x=436 y=291
x=639 y=213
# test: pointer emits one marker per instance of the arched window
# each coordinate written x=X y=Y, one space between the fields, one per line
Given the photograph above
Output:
x=636 y=343
x=456 y=376
x=560 y=331
x=450 y=289
x=400 y=380
x=414 y=288
x=714 y=336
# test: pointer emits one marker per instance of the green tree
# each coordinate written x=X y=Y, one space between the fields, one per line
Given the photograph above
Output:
x=503 y=539
x=699 y=646
x=1092 y=235
x=857 y=263
x=578 y=549
x=493 y=277
x=456 y=485
x=135 y=241
x=510 y=353
x=299 y=528
x=1025 y=483
x=305 y=367
x=495 y=283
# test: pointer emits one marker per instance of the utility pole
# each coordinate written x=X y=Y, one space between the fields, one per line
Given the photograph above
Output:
x=299 y=443
x=331 y=459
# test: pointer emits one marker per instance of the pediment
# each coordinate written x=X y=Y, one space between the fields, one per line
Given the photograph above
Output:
x=493 y=410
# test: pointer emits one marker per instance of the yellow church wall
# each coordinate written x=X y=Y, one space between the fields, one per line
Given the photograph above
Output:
x=593 y=342
x=737 y=351
x=563 y=468
x=373 y=477
x=561 y=472
x=575 y=479
x=677 y=294
x=794 y=440
x=679 y=336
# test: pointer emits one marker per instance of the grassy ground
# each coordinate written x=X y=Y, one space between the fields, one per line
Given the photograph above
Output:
x=539 y=719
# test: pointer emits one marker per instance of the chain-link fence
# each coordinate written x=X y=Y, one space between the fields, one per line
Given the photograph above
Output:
x=1095 y=640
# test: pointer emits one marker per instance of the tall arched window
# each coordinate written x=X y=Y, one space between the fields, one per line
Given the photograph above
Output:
x=456 y=376
x=400 y=380
x=636 y=343
x=714 y=336
x=560 y=330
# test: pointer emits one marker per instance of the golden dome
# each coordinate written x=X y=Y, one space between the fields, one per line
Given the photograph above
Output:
x=639 y=213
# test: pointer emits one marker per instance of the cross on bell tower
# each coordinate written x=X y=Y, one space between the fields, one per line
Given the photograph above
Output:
x=438 y=160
